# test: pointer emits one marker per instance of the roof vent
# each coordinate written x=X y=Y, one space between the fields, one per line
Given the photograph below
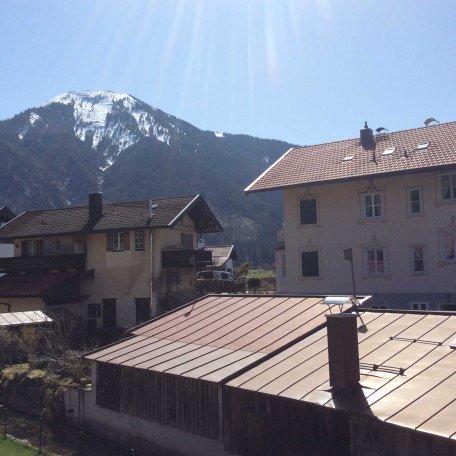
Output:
x=423 y=146
x=367 y=137
x=389 y=151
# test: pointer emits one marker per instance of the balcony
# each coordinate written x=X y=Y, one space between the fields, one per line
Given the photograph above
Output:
x=64 y=262
x=186 y=258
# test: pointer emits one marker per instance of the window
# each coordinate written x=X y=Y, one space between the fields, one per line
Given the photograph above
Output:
x=139 y=240
x=418 y=259
x=375 y=261
x=414 y=202
x=54 y=246
x=448 y=307
x=418 y=305
x=93 y=310
x=448 y=246
x=448 y=187
x=187 y=241
x=34 y=247
x=308 y=211
x=373 y=205
x=310 y=264
x=118 y=241
x=380 y=307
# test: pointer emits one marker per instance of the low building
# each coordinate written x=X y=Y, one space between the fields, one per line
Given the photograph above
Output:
x=223 y=257
x=111 y=264
x=6 y=215
x=277 y=376
x=391 y=197
x=164 y=384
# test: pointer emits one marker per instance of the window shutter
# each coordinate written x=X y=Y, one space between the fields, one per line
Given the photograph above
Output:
x=39 y=247
x=109 y=242
x=24 y=248
x=127 y=240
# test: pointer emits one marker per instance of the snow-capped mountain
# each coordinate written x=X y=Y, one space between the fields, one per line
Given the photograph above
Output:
x=54 y=155
x=96 y=117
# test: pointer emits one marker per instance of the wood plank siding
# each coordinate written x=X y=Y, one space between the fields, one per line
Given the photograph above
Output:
x=258 y=424
x=184 y=403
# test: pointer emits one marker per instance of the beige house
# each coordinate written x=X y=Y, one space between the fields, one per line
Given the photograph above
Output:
x=113 y=264
x=390 y=197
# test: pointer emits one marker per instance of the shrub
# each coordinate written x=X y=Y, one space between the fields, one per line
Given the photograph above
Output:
x=253 y=283
x=10 y=347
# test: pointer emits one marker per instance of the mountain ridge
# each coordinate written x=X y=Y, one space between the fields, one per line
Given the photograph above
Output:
x=81 y=141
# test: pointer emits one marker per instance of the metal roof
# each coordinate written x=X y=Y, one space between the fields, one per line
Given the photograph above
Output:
x=408 y=372
x=217 y=336
x=23 y=318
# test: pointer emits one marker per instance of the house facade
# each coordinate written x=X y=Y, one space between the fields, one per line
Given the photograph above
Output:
x=391 y=198
x=111 y=264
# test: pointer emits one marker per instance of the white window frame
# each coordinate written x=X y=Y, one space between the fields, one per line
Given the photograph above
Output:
x=376 y=273
x=118 y=241
x=413 y=270
x=139 y=240
x=410 y=213
x=415 y=305
x=372 y=192
x=452 y=188
x=447 y=244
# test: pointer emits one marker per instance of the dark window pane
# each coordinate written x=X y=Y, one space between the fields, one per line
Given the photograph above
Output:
x=310 y=264
x=308 y=211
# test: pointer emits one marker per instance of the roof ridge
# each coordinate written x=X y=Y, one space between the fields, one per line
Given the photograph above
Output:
x=357 y=138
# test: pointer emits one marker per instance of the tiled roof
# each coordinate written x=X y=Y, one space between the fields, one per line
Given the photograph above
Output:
x=220 y=254
x=325 y=162
x=217 y=335
x=115 y=216
x=31 y=285
x=407 y=372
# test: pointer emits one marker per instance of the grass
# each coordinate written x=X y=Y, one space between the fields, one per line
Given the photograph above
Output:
x=259 y=273
x=10 y=448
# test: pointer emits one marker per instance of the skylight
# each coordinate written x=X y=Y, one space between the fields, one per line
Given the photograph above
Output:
x=423 y=146
x=388 y=151
x=348 y=158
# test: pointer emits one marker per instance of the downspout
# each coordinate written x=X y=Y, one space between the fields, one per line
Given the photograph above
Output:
x=153 y=306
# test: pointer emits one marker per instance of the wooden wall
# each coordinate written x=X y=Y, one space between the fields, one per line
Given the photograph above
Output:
x=187 y=404
x=256 y=424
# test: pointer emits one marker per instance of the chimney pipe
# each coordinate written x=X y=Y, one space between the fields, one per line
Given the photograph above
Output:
x=367 y=137
x=95 y=207
x=343 y=350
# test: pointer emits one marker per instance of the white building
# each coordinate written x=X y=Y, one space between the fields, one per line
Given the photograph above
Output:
x=390 y=197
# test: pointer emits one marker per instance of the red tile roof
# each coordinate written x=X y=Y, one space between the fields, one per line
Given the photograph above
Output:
x=325 y=162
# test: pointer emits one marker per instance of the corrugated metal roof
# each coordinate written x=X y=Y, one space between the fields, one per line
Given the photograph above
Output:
x=422 y=398
x=217 y=335
x=23 y=318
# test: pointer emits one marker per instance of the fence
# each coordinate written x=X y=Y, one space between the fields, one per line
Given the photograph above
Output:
x=55 y=439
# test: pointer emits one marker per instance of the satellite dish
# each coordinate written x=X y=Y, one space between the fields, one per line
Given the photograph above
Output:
x=430 y=120
x=380 y=129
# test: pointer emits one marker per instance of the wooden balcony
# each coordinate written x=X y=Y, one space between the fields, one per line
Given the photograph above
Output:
x=186 y=258
x=64 y=262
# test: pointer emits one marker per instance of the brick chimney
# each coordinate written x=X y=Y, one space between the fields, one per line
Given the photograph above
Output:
x=95 y=207
x=367 y=137
x=343 y=350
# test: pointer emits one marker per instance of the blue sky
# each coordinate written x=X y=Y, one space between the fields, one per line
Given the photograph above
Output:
x=304 y=71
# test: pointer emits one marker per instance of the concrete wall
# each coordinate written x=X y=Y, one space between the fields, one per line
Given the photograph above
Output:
x=144 y=436
x=341 y=226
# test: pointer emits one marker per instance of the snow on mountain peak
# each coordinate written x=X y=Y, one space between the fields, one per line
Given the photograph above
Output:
x=95 y=116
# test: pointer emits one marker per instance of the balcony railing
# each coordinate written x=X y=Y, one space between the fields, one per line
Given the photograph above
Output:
x=43 y=263
x=186 y=258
